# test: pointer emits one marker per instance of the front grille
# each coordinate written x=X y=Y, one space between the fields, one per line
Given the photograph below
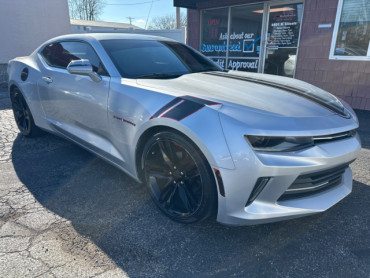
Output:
x=334 y=137
x=313 y=183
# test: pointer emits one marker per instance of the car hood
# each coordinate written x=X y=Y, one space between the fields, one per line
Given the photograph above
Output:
x=259 y=103
x=279 y=96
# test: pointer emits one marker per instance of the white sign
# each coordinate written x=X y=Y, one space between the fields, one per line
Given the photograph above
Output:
x=325 y=25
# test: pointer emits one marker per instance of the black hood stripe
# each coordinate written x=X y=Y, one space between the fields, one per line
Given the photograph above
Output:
x=296 y=91
x=182 y=107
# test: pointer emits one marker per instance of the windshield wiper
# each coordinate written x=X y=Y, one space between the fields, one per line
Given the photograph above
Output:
x=158 y=76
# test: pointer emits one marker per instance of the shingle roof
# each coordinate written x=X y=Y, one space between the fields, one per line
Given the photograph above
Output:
x=103 y=24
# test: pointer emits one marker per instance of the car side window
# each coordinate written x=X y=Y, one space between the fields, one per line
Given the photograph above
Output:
x=60 y=54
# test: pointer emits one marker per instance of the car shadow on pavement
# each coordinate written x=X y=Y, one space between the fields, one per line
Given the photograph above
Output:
x=116 y=213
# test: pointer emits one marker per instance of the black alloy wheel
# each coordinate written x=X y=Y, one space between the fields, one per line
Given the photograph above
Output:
x=179 y=178
x=22 y=115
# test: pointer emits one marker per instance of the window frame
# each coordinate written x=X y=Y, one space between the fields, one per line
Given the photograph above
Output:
x=70 y=40
x=335 y=36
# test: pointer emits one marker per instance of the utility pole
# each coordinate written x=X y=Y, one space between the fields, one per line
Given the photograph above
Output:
x=178 y=16
x=130 y=19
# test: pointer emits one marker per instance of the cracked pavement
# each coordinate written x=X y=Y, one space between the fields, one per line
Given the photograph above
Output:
x=66 y=213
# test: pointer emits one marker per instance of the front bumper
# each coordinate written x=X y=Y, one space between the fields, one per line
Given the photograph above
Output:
x=283 y=168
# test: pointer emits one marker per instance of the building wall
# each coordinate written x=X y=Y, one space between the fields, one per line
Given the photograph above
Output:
x=349 y=80
x=25 y=24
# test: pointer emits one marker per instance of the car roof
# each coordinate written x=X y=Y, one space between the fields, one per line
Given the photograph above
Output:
x=110 y=36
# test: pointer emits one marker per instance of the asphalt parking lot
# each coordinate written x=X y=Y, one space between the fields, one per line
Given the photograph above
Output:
x=67 y=213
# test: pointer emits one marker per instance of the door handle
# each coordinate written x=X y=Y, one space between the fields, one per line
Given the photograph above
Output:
x=47 y=79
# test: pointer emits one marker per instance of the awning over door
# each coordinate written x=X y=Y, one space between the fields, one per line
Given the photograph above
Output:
x=190 y=4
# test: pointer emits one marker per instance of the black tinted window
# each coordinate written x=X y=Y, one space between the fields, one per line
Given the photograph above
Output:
x=60 y=54
x=141 y=58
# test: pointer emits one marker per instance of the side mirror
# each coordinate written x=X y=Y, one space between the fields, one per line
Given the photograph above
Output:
x=83 y=67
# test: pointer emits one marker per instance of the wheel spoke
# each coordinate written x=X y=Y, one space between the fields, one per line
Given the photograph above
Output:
x=192 y=172
x=166 y=157
x=17 y=105
x=192 y=200
x=167 y=193
x=20 y=120
x=170 y=151
x=192 y=177
x=161 y=176
x=185 y=160
x=156 y=166
x=185 y=204
x=179 y=155
x=19 y=114
x=24 y=123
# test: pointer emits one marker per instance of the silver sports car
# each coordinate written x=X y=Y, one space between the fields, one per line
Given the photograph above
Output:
x=247 y=148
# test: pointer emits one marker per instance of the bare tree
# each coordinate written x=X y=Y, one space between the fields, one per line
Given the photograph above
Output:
x=167 y=22
x=85 y=9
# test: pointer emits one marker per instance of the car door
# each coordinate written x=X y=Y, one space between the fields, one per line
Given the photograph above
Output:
x=74 y=104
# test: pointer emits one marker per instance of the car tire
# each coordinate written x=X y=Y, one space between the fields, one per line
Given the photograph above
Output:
x=179 y=178
x=23 y=116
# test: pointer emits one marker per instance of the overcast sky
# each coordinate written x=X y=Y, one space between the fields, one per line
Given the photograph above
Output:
x=119 y=10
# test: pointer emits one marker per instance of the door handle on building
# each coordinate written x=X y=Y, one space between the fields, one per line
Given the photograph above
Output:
x=47 y=79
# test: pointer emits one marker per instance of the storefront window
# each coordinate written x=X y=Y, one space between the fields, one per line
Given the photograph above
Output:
x=282 y=39
x=214 y=35
x=245 y=38
x=353 y=34
x=256 y=38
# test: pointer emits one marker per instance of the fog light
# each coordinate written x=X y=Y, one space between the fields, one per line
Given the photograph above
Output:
x=260 y=185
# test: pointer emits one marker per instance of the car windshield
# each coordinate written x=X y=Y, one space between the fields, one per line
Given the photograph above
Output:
x=155 y=59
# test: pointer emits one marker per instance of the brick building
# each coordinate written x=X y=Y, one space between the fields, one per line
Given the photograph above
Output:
x=323 y=42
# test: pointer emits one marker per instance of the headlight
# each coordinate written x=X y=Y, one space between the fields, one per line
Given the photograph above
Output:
x=278 y=144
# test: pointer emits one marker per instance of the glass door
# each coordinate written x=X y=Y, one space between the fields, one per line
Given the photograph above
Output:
x=283 y=30
x=245 y=38
x=232 y=36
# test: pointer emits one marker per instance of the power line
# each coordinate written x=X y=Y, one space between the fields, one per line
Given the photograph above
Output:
x=133 y=4
x=151 y=5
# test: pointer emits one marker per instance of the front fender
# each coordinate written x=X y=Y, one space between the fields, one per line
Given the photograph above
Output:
x=204 y=129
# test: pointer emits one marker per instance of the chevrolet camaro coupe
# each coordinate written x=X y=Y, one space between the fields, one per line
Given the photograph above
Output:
x=246 y=148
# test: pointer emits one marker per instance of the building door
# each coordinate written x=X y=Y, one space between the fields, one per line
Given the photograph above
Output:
x=283 y=29
x=244 y=49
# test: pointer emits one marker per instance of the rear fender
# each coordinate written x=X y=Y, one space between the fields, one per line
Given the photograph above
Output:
x=28 y=86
